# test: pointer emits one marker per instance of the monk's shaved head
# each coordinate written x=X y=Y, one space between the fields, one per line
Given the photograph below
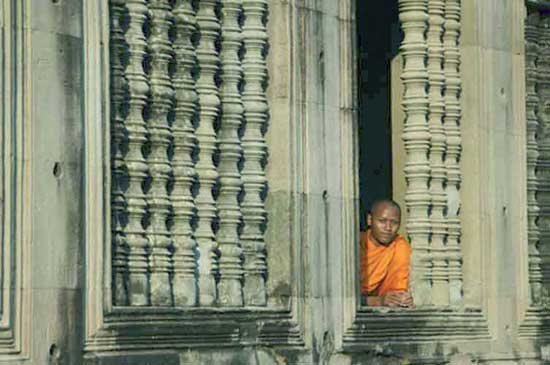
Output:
x=384 y=220
x=383 y=203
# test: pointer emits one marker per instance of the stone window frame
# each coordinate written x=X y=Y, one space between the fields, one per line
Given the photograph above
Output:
x=16 y=141
x=109 y=328
x=363 y=328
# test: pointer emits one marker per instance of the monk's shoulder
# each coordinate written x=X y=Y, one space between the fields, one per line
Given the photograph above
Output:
x=402 y=245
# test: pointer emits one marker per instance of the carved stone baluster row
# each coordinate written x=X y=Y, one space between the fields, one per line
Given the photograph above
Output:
x=230 y=264
x=138 y=89
x=439 y=275
x=158 y=200
x=186 y=101
x=414 y=16
x=254 y=151
x=532 y=100
x=209 y=104
x=543 y=170
x=452 y=130
x=118 y=163
x=164 y=144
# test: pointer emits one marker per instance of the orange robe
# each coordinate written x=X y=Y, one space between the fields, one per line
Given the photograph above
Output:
x=384 y=268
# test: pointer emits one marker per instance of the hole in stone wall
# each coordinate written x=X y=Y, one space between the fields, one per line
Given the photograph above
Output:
x=57 y=170
x=55 y=354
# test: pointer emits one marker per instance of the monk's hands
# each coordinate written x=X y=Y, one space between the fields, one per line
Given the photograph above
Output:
x=397 y=299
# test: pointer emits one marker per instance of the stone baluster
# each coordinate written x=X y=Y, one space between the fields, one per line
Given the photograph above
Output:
x=230 y=264
x=254 y=151
x=118 y=163
x=436 y=78
x=532 y=100
x=454 y=144
x=185 y=267
x=543 y=166
x=413 y=15
x=138 y=88
x=209 y=104
x=158 y=200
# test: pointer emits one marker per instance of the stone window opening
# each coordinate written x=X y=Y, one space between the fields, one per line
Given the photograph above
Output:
x=378 y=39
x=409 y=124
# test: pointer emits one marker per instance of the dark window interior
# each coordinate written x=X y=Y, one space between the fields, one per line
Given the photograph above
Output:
x=378 y=37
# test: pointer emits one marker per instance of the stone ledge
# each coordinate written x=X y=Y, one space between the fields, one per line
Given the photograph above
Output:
x=137 y=329
x=536 y=324
x=136 y=359
x=373 y=326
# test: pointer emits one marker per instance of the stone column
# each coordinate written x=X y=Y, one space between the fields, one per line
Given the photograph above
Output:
x=439 y=274
x=254 y=151
x=451 y=122
x=159 y=131
x=119 y=203
x=231 y=270
x=431 y=103
x=137 y=169
x=185 y=267
x=209 y=104
x=543 y=165
x=531 y=55
x=414 y=16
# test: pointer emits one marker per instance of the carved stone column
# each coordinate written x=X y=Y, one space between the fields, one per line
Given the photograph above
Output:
x=231 y=270
x=158 y=200
x=138 y=88
x=414 y=16
x=531 y=55
x=452 y=117
x=209 y=103
x=254 y=151
x=119 y=211
x=543 y=166
x=186 y=100
x=439 y=275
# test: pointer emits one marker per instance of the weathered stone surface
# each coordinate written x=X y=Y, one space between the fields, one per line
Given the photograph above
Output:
x=307 y=119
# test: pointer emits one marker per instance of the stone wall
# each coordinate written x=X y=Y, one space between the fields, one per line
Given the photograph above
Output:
x=58 y=120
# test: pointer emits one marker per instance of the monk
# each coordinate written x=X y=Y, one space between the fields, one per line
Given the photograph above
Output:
x=385 y=258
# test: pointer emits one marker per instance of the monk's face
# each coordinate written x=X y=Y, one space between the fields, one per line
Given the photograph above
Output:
x=384 y=222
